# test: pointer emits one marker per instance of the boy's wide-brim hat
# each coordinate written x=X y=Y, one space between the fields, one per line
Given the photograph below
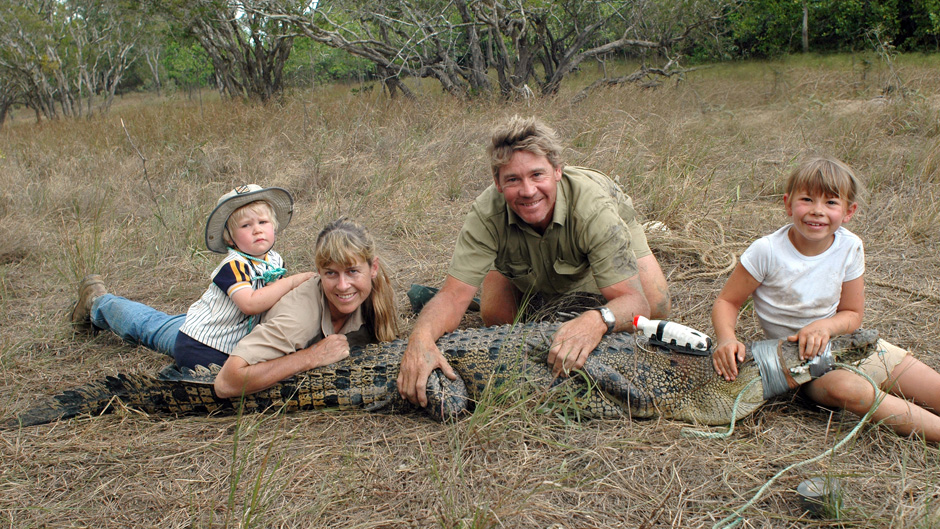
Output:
x=279 y=198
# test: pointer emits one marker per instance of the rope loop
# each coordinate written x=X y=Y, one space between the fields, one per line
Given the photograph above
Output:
x=271 y=274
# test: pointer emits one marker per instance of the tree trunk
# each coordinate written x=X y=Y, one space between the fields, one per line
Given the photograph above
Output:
x=153 y=62
x=478 y=80
x=805 y=27
x=4 y=110
x=393 y=84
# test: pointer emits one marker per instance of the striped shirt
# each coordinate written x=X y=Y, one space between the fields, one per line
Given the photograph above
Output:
x=215 y=320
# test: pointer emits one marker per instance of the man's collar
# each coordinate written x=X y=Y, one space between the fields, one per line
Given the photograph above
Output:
x=560 y=214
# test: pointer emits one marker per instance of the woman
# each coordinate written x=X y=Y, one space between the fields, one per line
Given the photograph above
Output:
x=350 y=303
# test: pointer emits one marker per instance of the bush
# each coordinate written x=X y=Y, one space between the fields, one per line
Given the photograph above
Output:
x=312 y=61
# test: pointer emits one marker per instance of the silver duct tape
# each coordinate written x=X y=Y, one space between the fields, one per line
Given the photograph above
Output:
x=822 y=363
x=771 y=372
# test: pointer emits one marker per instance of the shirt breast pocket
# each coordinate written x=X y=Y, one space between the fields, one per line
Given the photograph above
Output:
x=514 y=270
x=564 y=268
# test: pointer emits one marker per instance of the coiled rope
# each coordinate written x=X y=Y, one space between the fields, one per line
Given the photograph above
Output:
x=711 y=250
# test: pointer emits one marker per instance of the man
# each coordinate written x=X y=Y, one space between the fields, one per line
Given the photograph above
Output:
x=546 y=229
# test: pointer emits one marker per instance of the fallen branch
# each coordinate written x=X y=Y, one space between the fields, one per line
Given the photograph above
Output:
x=643 y=73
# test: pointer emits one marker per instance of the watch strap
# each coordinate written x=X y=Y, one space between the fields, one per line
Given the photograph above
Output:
x=608 y=316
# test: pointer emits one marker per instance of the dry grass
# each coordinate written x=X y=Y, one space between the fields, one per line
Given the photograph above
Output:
x=706 y=157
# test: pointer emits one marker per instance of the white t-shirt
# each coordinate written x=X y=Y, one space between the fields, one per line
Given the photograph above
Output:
x=796 y=290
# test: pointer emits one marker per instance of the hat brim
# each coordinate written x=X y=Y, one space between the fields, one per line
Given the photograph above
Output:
x=279 y=198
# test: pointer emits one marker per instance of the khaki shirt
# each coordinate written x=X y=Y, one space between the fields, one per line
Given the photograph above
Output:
x=593 y=241
x=298 y=320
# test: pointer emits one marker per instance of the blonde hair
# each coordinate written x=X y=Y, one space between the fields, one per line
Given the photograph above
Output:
x=523 y=134
x=825 y=176
x=345 y=242
x=258 y=207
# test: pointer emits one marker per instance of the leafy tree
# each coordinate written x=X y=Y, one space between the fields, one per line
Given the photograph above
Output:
x=765 y=28
x=187 y=65
x=311 y=61
x=64 y=56
x=918 y=25
x=247 y=48
x=540 y=42
x=9 y=96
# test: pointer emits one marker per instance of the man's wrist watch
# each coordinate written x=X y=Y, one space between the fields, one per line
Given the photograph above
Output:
x=608 y=316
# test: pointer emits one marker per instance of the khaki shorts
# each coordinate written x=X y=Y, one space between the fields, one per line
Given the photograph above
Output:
x=882 y=362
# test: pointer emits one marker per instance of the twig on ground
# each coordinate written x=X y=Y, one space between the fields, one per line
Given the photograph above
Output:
x=143 y=162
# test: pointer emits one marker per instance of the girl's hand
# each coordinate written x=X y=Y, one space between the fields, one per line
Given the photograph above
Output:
x=726 y=357
x=812 y=339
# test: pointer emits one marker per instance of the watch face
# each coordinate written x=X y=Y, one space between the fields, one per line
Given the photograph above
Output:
x=608 y=318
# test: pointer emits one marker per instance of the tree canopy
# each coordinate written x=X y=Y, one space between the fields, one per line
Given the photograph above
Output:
x=70 y=57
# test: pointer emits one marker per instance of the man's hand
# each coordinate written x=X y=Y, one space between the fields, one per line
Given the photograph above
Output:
x=439 y=316
x=419 y=360
x=574 y=341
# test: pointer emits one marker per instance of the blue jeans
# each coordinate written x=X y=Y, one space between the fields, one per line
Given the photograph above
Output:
x=137 y=323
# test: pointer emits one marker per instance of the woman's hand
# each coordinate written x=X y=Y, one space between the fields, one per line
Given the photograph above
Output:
x=331 y=349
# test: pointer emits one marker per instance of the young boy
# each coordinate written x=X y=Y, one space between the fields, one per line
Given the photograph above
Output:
x=245 y=285
x=807 y=283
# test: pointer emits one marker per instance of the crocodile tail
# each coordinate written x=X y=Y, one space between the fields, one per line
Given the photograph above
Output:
x=144 y=392
x=94 y=398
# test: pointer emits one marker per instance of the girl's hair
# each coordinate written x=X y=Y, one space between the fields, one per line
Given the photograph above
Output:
x=258 y=207
x=345 y=242
x=523 y=134
x=825 y=176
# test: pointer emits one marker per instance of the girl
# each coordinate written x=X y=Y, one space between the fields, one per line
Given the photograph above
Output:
x=350 y=303
x=807 y=281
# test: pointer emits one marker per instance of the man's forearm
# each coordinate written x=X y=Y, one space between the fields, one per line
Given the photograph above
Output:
x=626 y=300
x=443 y=313
x=437 y=318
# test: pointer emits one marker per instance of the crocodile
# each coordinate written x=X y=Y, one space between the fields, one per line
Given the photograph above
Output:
x=625 y=376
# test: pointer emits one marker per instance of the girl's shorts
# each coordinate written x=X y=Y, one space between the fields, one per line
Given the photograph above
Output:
x=882 y=362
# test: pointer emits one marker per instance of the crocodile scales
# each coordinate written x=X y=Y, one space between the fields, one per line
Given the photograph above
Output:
x=623 y=377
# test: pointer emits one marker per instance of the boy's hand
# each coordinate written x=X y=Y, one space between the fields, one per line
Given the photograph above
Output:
x=297 y=279
x=726 y=357
x=812 y=339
